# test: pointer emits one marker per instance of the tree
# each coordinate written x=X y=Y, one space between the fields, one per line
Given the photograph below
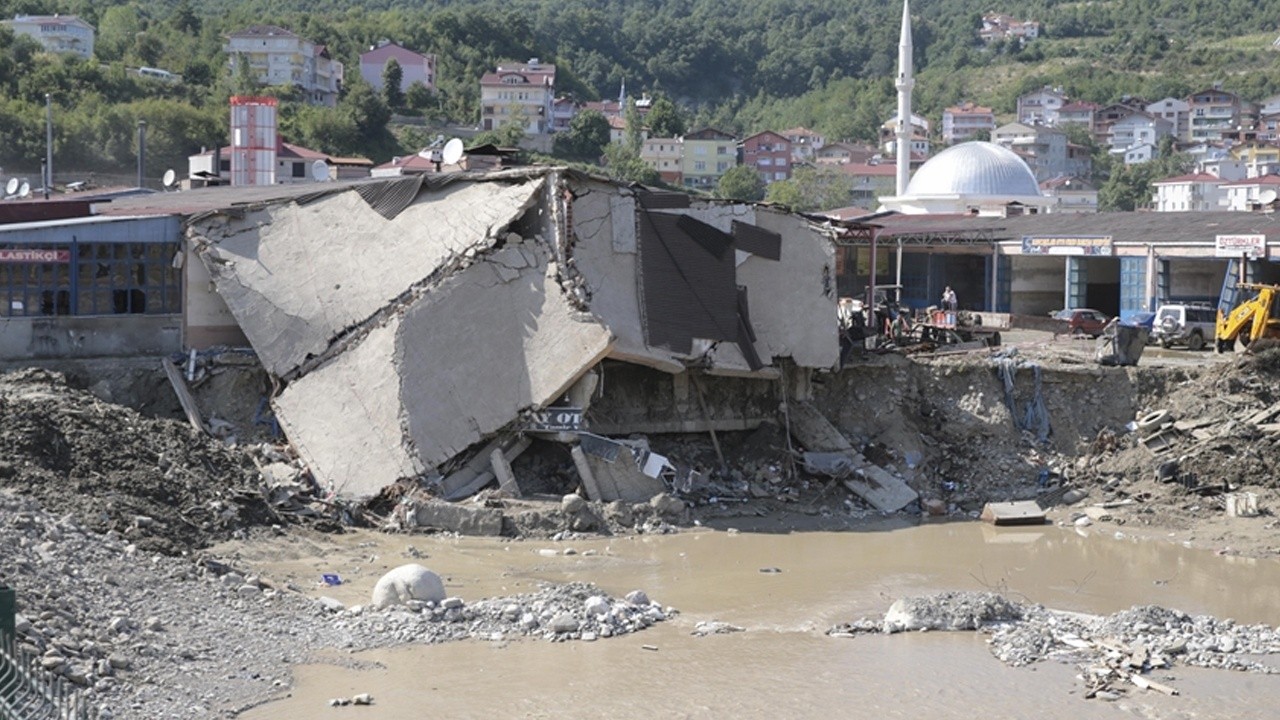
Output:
x=392 y=76
x=811 y=189
x=741 y=182
x=419 y=97
x=625 y=165
x=665 y=119
x=367 y=109
x=586 y=138
x=633 y=136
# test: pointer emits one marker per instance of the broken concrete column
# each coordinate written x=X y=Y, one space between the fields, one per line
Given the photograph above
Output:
x=502 y=469
x=584 y=471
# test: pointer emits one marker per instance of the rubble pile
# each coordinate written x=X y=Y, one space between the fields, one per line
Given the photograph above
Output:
x=156 y=482
x=145 y=635
x=573 y=611
x=1110 y=650
x=1202 y=437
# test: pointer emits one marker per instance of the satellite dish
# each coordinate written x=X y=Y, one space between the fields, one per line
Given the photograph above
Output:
x=24 y=190
x=170 y=179
x=320 y=171
x=452 y=152
x=1267 y=197
x=11 y=187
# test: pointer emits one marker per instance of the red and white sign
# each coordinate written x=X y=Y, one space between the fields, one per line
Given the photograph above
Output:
x=34 y=255
x=1233 y=246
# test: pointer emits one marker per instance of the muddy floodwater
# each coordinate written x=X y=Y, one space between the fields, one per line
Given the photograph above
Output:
x=782 y=666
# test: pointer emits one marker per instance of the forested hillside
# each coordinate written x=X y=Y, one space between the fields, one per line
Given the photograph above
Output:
x=742 y=67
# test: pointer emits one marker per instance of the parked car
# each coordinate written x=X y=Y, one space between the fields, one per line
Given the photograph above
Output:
x=1190 y=324
x=1079 y=322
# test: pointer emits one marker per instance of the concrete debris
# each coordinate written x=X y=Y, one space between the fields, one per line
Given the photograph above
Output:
x=715 y=627
x=832 y=455
x=1024 y=512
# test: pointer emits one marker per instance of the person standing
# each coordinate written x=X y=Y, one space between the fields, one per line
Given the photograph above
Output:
x=950 y=305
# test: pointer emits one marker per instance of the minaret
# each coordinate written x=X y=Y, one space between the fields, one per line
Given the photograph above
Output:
x=905 y=83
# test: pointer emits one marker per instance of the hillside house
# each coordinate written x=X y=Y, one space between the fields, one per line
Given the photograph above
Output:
x=666 y=156
x=708 y=154
x=1193 y=192
x=56 y=33
x=523 y=93
x=1040 y=107
x=1078 y=113
x=998 y=26
x=415 y=67
x=769 y=154
x=1213 y=113
x=965 y=122
x=1137 y=128
x=842 y=152
x=1070 y=194
x=1174 y=111
x=1247 y=195
x=805 y=144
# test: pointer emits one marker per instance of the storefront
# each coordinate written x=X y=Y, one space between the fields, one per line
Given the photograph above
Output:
x=90 y=286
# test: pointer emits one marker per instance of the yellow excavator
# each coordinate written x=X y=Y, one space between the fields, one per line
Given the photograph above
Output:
x=1250 y=319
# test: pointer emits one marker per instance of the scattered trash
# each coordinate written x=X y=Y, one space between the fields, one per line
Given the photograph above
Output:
x=330 y=579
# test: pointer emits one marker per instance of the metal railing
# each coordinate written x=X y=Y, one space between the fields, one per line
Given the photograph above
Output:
x=27 y=691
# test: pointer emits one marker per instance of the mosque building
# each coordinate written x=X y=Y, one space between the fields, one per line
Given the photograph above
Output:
x=973 y=218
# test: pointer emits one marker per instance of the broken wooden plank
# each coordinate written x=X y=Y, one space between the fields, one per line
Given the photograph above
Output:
x=184 y=395
x=1263 y=416
x=1025 y=512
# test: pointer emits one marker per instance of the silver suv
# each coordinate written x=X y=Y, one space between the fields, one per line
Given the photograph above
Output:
x=1190 y=324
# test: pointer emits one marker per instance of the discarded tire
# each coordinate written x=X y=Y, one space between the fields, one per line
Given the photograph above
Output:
x=1150 y=423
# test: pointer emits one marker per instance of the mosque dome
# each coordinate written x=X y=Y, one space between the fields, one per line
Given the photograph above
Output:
x=974 y=168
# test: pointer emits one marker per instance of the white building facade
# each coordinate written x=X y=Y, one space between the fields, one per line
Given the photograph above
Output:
x=276 y=56
x=56 y=33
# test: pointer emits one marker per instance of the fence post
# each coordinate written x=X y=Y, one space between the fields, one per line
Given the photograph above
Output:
x=8 y=608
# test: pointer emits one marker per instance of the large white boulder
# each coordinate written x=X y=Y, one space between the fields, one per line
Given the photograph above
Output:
x=405 y=583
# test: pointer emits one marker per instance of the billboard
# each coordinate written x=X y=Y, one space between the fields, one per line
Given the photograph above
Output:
x=1234 y=246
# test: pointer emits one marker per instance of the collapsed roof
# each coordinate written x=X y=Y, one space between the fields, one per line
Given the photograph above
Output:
x=411 y=320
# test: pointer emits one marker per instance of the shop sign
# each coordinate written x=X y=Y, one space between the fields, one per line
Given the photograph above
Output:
x=1234 y=246
x=1066 y=245
x=34 y=255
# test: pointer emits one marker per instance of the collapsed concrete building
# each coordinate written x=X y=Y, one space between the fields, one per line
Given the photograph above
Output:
x=414 y=324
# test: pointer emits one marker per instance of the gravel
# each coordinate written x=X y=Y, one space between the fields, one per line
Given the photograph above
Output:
x=146 y=635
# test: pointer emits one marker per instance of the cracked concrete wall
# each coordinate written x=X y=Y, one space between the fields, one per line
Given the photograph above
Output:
x=604 y=222
x=792 y=310
x=793 y=299
x=296 y=277
x=457 y=365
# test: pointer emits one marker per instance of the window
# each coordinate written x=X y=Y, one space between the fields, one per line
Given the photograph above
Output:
x=89 y=279
x=700 y=165
x=766 y=161
x=299 y=170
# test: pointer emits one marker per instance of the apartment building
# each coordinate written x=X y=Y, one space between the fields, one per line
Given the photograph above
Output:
x=965 y=121
x=1213 y=113
x=276 y=56
x=524 y=91
x=1040 y=107
x=769 y=153
x=708 y=154
x=666 y=156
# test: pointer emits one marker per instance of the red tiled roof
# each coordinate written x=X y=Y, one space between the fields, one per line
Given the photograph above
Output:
x=1264 y=180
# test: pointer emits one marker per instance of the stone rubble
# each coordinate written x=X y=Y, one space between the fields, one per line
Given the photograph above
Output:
x=151 y=636
x=1106 y=648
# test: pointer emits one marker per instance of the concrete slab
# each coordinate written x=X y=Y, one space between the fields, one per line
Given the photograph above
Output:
x=622 y=479
x=295 y=277
x=453 y=368
x=831 y=454
x=462 y=519
x=1024 y=512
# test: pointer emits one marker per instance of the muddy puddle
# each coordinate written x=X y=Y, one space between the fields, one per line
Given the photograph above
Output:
x=782 y=665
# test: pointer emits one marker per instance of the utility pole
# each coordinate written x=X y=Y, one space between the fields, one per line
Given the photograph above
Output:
x=48 y=145
x=142 y=150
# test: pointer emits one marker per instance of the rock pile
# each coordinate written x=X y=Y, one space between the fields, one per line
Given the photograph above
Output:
x=1118 y=647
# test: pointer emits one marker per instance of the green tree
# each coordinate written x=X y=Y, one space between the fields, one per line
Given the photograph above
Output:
x=625 y=165
x=367 y=109
x=419 y=97
x=665 y=119
x=811 y=189
x=633 y=136
x=117 y=28
x=392 y=76
x=741 y=182
x=586 y=138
